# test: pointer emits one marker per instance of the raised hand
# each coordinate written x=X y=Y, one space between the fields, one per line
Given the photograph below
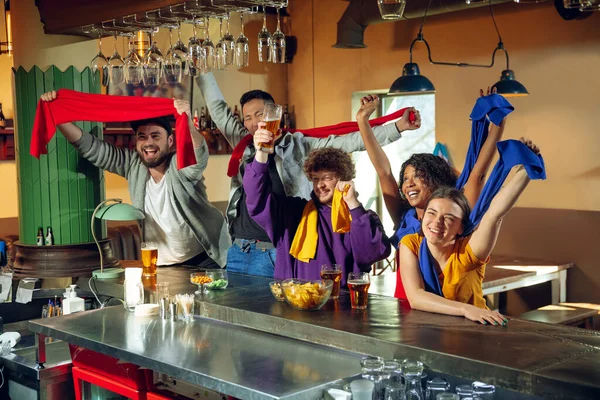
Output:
x=531 y=145
x=49 y=96
x=493 y=91
x=261 y=136
x=182 y=106
x=348 y=193
x=404 y=123
x=368 y=105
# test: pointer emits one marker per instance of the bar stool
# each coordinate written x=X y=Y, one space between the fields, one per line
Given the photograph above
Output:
x=82 y=374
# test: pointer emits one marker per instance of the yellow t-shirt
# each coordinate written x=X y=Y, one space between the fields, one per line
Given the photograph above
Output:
x=463 y=273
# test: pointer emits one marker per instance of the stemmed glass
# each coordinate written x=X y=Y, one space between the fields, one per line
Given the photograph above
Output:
x=180 y=49
x=209 y=47
x=242 y=47
x=115 y=66
x=99 y=63
x=132 y=65
x=221 y=50
x=152 y=65
x=264 y=40
x=229 y=43
x=196 y=54
x=172 y=64
x=278 y=43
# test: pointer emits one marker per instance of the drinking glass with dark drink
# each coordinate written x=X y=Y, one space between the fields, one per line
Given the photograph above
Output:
x=333 y=272
x=149 y=258
x=358 y=285
x=272 y=117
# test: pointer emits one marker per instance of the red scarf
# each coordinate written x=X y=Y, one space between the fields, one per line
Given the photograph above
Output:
x=342 y=128
x=76 y=106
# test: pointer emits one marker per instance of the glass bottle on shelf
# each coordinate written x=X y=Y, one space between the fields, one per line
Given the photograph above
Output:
x=2 y=118
x=236 y=113
x=203 y=124
x=40 y=236
x=285 y=119
x=49 y=237
x=196 y=119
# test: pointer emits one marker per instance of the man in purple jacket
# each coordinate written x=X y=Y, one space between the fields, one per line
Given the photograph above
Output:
x=328 y=169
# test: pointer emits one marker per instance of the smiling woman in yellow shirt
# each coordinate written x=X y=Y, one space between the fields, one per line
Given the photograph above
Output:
x=458 y=261
x=463 y=274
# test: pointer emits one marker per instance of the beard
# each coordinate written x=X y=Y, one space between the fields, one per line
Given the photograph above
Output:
x=154 y=162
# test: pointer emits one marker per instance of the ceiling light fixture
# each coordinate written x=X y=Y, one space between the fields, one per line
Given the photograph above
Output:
x=412 y=82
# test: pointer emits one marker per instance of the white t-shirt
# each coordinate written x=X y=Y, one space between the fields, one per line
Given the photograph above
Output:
x=165 y=225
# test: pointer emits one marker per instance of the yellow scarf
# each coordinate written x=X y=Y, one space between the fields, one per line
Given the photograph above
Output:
x=304 y=245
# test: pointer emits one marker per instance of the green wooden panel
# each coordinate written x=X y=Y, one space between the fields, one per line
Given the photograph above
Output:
x=60 y=189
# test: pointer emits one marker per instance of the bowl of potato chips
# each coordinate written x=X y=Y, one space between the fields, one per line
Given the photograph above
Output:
x=306 y=295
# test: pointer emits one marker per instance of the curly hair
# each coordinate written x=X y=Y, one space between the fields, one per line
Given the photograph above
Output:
x=330 y=159
x=434 y=171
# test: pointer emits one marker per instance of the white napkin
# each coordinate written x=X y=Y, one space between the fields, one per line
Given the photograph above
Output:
x=5 y=285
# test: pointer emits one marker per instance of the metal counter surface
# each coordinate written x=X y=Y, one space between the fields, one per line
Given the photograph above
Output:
x=533 y=358
x=236 y=361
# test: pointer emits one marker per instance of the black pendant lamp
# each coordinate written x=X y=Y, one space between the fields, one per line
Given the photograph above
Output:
x=412 y=82
x=508 y=86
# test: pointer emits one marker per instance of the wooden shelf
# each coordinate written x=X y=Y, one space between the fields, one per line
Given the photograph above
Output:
x=120 y=137
x=7 y=144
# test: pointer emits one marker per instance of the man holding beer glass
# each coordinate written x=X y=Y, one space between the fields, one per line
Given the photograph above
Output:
x=184 y=226
x=307 y=234
x=252 y=251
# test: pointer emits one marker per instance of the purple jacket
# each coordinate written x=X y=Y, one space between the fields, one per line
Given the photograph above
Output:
x=280 y=216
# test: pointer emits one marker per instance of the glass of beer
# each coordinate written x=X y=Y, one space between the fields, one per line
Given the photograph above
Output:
x=333 y=272
x=272 y=117
x=149 y=258
x=358 y=285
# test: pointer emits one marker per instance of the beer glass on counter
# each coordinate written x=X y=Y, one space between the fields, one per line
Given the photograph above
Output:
x=333 y=272
x=358 y=285
x=272 y=117
x=149 y=258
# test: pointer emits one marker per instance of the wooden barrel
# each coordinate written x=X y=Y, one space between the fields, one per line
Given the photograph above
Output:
x=62 y=261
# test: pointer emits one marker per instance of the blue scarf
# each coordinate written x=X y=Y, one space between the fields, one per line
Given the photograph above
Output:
x=512 y=153
x=496 y=108
x=3 y=257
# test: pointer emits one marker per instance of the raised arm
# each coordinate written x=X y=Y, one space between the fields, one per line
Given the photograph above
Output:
x=352 y=142
x=96 y=151
x=264 y=207
x=476 y=180
x=228 y=124
x=200 y=147
x=484 y=238
x=394 y=202
x=69 y=130
x=420 y=299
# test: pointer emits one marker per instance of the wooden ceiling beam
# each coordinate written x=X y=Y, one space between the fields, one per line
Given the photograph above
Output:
x=67 y=16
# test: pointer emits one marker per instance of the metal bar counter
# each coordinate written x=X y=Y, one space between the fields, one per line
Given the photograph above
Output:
x=236 y=361
x=531 y=358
